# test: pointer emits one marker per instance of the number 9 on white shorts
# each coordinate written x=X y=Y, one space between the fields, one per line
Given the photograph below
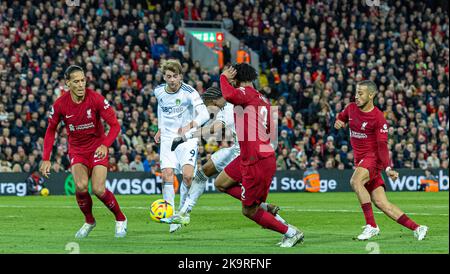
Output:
x=185 y=154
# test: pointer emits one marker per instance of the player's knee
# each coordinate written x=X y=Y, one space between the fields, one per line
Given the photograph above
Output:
x=167 y=175
x=98 y=190
x=81 y=186
x=355 y=183
x=219 y=186
x=187 y=179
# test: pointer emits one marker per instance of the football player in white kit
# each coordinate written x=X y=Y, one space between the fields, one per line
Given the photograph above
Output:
x=180 y=109
x=224 y=122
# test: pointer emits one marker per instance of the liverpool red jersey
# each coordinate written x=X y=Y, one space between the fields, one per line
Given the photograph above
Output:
x=83 y=124
x=368 y=133
x=253 y=120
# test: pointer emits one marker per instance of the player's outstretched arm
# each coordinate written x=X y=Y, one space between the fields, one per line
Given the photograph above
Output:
x=108 y=114
x=229 y=93
x=200 y=109
x=216 y=127
x=49 y=139
x=383 y=149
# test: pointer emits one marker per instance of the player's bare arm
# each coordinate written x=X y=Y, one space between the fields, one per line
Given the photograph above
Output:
x=203 y=131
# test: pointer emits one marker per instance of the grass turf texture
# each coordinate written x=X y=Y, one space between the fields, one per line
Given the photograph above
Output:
x=329 y=220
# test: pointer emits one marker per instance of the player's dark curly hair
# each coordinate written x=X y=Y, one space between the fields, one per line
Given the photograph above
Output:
x=245 y=73
x=71 y=69
x=212 y=93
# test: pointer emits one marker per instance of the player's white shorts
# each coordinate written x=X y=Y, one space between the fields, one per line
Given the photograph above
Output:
x=224 y=156
x=184 y=154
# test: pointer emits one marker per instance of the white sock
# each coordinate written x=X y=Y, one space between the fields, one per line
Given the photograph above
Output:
x=187 y=206
x=194 y=194
x=263 y=205
x=278 y=217
x=290 y=232
x=197 y=188
x=184 y=189
x=169 y=194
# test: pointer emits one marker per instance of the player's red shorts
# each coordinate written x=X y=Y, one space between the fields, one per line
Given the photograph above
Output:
x=88 y=159
x=255 y=179
x=376 y=180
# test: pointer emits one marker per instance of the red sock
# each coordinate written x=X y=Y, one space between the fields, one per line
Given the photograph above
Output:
x=267 y=220
x=110 y=202
x=235 y=191
x=368 y=214
x=84 y=201
x=407 y=222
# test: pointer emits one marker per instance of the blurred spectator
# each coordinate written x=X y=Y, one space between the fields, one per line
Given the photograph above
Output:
x=429 y=180
x=35 y=183
x=159 y=49
x=123 y=164
x=433 y=161
x=191 y=12
x=137 y=165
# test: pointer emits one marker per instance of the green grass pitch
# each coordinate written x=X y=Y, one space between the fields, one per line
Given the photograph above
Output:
x=329 y=220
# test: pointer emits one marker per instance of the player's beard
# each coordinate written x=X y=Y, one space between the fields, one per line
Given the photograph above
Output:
x=363 y=105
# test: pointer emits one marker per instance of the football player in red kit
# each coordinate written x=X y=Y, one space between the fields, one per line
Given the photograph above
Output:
x=369 y=138
x=81 y=111
x=248 y=177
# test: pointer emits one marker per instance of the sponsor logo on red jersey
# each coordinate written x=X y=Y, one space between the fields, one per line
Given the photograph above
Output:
x=357 y=135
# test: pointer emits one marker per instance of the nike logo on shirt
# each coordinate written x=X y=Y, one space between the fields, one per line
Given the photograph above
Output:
x=68 y=116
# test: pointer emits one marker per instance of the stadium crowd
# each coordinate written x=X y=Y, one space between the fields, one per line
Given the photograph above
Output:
x=311 y=55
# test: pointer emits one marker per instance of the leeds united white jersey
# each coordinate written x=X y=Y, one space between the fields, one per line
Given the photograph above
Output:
x=175 y=110
x=226 y=115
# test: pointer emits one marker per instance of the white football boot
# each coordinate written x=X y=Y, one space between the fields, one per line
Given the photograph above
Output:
x=368 y=232
x=175 y=227
x=292 y=241
x=177 y=219
x=121 y=228
x=84 y=230
x=421 y=232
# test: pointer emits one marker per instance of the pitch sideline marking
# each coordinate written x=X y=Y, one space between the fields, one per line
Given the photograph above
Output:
x=229 y=208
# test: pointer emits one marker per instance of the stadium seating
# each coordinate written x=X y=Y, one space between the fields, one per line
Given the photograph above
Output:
x=311 y=54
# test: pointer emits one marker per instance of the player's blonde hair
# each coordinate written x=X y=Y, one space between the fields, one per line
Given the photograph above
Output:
x=173 y=65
